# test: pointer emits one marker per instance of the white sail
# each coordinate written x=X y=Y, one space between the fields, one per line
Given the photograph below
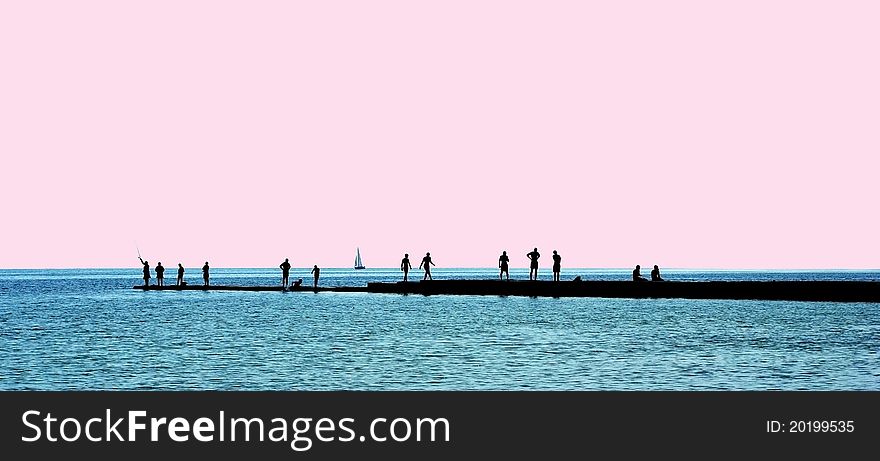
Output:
x=358 y=264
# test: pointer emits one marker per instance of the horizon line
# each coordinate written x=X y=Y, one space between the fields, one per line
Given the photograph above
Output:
x=774 y=269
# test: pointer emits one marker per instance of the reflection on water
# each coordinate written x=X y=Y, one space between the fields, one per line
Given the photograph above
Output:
x=89 y=330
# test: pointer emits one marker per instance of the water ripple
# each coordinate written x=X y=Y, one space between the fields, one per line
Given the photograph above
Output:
x=100 y=334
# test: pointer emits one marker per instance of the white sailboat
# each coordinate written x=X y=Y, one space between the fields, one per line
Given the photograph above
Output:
x=358 y=264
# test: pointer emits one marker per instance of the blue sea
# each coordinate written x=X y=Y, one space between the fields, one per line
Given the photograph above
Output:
x=89 y=330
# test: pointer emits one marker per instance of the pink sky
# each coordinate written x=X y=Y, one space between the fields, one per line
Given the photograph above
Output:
x=704 y=134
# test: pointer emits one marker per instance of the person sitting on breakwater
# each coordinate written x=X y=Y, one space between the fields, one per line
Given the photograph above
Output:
x=179 y=274
x=297 y=283
x=285 y=272
x=205 y=270
x=160 y=275
x=317 y=271
x=405 y=266
x=146 y=271
x=426 y=262
x=557 y=265
x=533 y=266
x=503 y=261
x=655 y=274
x=637 y=274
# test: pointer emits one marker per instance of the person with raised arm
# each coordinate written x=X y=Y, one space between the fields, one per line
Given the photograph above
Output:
x=146 y=265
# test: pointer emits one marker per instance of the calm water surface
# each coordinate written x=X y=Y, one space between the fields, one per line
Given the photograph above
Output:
x=87 y=329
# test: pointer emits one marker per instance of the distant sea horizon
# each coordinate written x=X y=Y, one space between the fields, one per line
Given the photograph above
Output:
x=87 y=329
x=675 y=268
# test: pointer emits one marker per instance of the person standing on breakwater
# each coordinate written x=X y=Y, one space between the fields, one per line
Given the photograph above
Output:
x=655 y=274
x=179 y=274
x=503 y=261
x=426 y=261
x=405 y=266
x=146 y=271
x=205 y=270
x=533 y=266
x=557 y=265
x=160 y=275
x=285 y=272
x=637 y=274
x=317 y=271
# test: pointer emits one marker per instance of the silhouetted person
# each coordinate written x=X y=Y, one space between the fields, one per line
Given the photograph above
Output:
x=146 y=271
x=285 y=272
x=557 y=265
x=297 y=283
x=655 y=274
x=179 y=274
x=160 y=274
x=317 y=271
x=503 y=261
x=533 y=266
x=205 y=270
x=405 y=266
x=637 y=274
x=426 y=262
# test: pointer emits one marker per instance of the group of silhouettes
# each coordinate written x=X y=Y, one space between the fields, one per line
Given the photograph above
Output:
x=655 y=274
x=206 y=271
x=285 y=275
x=503 y=265
x=160 y=273
x=405 y=266
x=426 y=263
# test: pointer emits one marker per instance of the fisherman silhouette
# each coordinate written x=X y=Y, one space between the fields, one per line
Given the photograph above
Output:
x=205 y=270
x=317 y=271
x=179 y=274
x=533 y=266
x=503 y=261
x=426 y=262
x=146 y=271
x=557 y=265
x=405 y=266
x=160 y=274
x=637 y=274
x=285 y=272
x=655 y=274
